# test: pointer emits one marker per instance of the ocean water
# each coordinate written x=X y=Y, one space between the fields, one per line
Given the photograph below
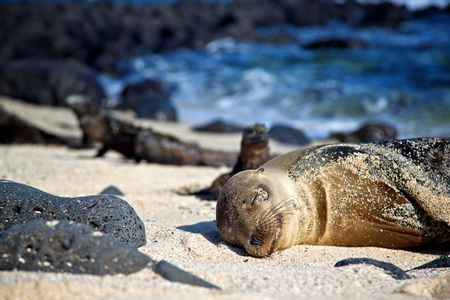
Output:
x=402 y=78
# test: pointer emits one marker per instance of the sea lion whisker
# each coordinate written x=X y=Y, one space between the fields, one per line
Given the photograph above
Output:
x=268 y=229
x=279 y=205
x=279 y=211
x=268 y=223
x=273 y=215
x=270 y=210
x=282 y=207
x=275 y=240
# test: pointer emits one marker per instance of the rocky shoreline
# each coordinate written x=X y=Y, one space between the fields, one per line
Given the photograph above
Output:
x=52 y=53
x=98 y=34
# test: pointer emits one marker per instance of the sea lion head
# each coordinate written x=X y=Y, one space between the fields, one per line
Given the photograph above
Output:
x=254 y=211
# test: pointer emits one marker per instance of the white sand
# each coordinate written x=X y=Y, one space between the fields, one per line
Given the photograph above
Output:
x=182 y=230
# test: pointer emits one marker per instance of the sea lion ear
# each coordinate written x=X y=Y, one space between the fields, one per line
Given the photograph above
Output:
x=260 y=171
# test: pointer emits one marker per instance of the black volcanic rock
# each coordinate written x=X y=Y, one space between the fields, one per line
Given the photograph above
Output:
x=288 y=135
x=100 y=32
x=383 y=14
x=112 y=190
x=219 y=126
x=336 y=43
x=62 y=246
x=49 y=81
x=13 y=129
x=369 y=132
x=66 y=246
x=149 y=99
x=109 y=214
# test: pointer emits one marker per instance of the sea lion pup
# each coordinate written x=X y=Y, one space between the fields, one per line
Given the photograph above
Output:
x=254 y=152
x=393 y=194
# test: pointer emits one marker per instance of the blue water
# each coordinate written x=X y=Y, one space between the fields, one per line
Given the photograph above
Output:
x=403 y=78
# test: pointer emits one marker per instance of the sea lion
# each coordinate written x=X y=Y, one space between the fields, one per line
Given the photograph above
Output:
x=393 y=194
x=254 y=152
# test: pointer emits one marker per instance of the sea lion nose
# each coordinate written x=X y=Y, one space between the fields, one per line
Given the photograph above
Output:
x=255 y=241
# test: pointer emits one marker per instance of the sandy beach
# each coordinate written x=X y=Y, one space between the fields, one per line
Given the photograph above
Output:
x=181 y=229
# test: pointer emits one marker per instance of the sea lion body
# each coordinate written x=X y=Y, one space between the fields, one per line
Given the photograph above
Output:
x=393 y=194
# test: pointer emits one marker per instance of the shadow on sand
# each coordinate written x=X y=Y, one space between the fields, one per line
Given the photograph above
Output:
x=208 y=230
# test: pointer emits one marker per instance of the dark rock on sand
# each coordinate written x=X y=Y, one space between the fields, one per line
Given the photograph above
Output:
x=106 y=213
x=219 y=126
x=62 y=246
x=13 y=129
x=22 y=122
x=66 y=246
x=64 y=83
x=288 y=135
x=49 y=82
x=440 y=262
x=149 y=99
x=112 y=190
x=390 y=269
x=370 y=132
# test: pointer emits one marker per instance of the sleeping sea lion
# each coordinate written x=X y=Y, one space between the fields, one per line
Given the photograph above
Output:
x=393 y=194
